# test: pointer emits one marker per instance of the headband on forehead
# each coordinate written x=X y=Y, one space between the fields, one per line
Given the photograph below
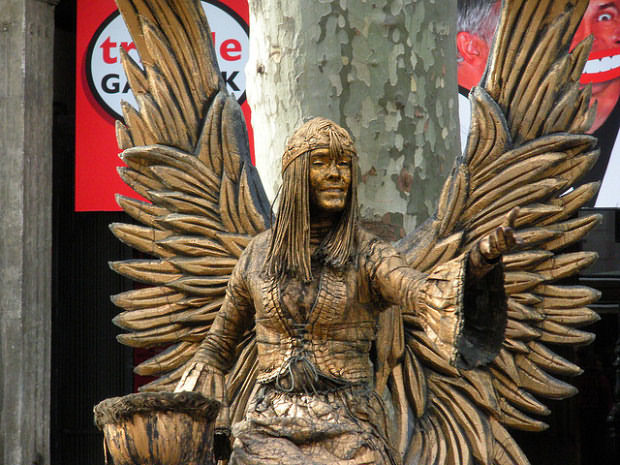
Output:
x=316 y=134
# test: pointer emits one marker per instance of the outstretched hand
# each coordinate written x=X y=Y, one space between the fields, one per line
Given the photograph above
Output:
x=501 y=240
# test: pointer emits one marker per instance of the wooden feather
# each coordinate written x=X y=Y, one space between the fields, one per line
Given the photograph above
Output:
x=526 y=147
x=166 y=361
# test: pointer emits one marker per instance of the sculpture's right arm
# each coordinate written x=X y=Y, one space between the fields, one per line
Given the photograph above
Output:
x=215 y=357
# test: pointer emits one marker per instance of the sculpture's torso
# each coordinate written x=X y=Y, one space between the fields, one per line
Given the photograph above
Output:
x=329 y=322
x=315 y=400
x=314 y=370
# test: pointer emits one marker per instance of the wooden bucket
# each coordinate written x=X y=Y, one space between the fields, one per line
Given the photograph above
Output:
x=163 y=428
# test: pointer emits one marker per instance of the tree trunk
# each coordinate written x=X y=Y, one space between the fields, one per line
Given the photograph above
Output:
x=383 y=69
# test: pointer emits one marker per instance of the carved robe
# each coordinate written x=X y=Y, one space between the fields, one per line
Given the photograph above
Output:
x=315 y=401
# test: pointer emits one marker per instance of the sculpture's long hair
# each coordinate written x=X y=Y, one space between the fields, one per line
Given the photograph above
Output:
x=289 y=249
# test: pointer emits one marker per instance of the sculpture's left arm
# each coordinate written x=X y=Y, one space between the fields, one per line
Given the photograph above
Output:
x=461 y=303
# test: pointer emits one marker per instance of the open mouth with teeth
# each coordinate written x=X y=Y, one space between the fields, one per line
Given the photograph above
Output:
x=602 y=66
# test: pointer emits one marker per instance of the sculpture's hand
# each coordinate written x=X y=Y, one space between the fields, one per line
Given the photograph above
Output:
x=210 y=382
x=502 y=240
x=205 y=379
x=490 y=248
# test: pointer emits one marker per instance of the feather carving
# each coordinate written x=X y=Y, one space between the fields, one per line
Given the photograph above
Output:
x=526 y=148
x=186 y=152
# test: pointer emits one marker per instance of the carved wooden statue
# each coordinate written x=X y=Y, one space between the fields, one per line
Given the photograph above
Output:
x=325 y=344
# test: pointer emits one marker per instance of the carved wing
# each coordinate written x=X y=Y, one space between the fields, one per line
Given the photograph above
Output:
x=526 y=148
x=187 y=154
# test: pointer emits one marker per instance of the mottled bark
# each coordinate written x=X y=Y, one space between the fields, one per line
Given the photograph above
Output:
x=384 y=69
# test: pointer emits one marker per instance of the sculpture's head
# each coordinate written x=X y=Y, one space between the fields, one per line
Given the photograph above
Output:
x=319 y=179
x=327 y=150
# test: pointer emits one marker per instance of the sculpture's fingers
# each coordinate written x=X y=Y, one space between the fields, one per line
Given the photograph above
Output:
x=485 y=247
x=511 y=217
x=510 y=239
x=489 y=245
x=500 y=240
x=507 y=240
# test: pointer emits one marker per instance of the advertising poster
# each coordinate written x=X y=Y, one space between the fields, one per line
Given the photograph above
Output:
x=476 y=23
x=102 y=85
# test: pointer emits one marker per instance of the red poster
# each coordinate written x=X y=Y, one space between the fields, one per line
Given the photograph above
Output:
x=101 y=85
x=476 y=24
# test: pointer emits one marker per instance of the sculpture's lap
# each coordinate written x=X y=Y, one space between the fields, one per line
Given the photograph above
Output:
x=259 y=449
x=346 y=427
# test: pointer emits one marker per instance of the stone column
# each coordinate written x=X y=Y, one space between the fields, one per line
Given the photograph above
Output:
x=26 y=49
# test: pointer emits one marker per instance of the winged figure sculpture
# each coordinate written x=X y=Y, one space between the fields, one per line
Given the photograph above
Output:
x=186 y=152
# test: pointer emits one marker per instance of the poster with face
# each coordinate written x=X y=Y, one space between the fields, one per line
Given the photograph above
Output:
x=476 y=23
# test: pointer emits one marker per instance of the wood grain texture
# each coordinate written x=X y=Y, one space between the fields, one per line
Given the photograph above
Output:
x=526 y=148
x=186 y=152
x=26 y=91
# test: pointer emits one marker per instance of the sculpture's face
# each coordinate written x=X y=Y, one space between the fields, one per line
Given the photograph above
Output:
x=330 y=179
